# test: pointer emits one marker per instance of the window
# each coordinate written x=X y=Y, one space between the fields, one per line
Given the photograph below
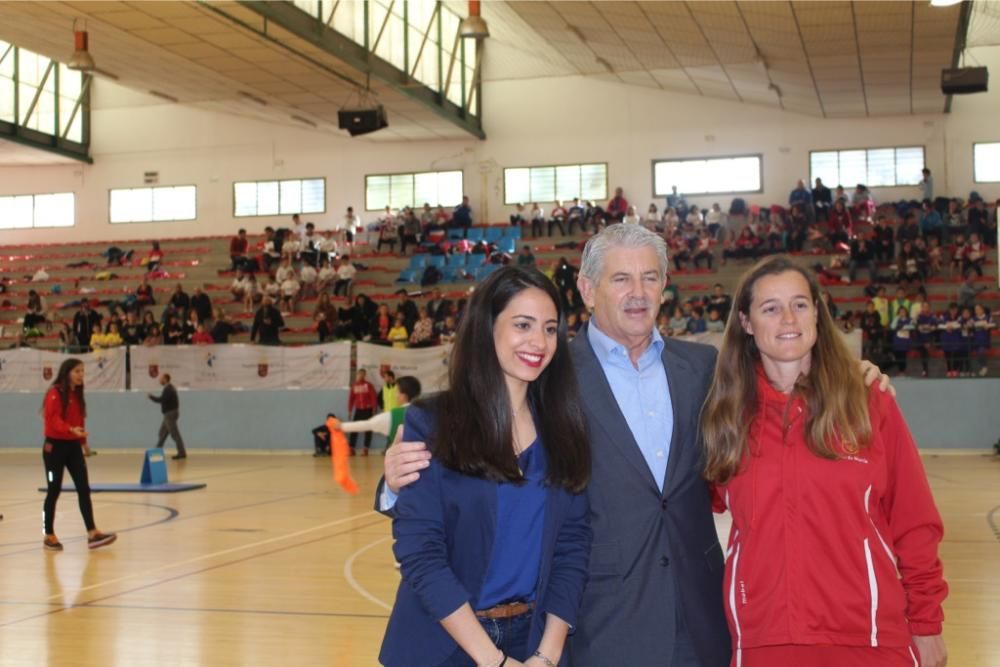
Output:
x=522 y=185
x=875 y=167
x=437 y=188
x=160 y=204
x=27 y=211
x=986 y=162
x=702 y=176
x=252 y=198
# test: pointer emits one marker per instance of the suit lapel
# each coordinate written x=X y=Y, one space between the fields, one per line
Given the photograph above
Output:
x=678 y=377
x=603 y=408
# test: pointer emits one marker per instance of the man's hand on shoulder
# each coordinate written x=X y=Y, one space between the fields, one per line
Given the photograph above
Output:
x=403 y=463
x=873 y=374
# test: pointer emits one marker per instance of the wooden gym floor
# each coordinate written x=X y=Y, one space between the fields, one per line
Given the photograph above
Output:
x=273 y=565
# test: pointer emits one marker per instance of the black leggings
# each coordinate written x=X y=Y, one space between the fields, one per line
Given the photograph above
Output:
x=59 y=455
x=359 y=415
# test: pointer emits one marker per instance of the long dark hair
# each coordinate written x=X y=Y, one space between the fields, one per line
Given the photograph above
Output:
x=61 y=383
x=474 y=428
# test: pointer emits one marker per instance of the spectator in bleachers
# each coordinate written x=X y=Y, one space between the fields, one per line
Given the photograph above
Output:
x=189 y=327
x=111 y=338
x=290 y=289
x=695 y=219
x=926 y=185
x=525 y=258
x=398 y=335
x=173 y=330
x=977 y=217
x=423 y=330
x=326 y=277
x=409 y=231
x=408 y=308
x=461 y=217
x=954 y=219
x=84 y=322
x=931 y=223
x=935 y=261
x=155 y=257
x=328 y=246
x=382 y=324
x=973 y=255
x=950 y=339
x=308 y=251
x=267 y=323
x=873 y=333
x=242 y=285
x=446 y=329
x=557 y=218
x=901 y=301
x=861 y=258
x=714 y=324
x=518 y=218
x=955 y=250
x=696 y=323
x=744 y=247
x=925 y=325
x=631 y=216
x=670 y=220
x=902 y=331
x=715 y=220
x=883 y=243
x=40 y=276
x=239 y=246
x=292 y=246
x=965 y=349
x=577 y=215
x=882 y=306
x=387 y=233
x=326 y=318
x=201 y=336
x=802 y=196
x=796 y=228
x=132 y=331
x=345 y=277
x=360 y=317
x=841 y=194
x=909 y=230
x=822 y=200
x=967 y=292
x=678 y=323
x=349 y=225
x=982 y=326
x=154 y=336
x=201 y=303
x=537 y=220
x=180 y=299
x=284 y=270
x=863 y=203
x=718 y=301
x=270 y=250
x=841 y=224
x=617 y=207
x=703 y=249
x=308 y=277
x=773 y=237
x=222 y=327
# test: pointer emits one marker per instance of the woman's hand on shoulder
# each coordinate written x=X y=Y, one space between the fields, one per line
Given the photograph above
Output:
x=873 y=374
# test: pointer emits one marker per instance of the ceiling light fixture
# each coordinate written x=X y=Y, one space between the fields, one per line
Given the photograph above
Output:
x=944 y=3
x=473 y=26
x=81 y=60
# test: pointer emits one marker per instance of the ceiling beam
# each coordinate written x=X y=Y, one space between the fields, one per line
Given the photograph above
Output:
x=301 y=24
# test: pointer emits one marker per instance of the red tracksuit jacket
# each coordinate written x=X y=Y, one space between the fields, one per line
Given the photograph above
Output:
x=841 y=552
x=57 y=426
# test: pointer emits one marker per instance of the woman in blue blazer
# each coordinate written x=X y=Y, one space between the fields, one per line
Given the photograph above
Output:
x=493 y=539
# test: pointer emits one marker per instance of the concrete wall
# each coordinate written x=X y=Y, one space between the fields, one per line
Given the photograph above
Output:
x=941 y=414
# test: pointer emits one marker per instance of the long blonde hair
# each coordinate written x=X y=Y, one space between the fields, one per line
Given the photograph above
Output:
x=837 y=419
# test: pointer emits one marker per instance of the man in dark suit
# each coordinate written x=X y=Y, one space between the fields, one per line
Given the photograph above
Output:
x=655 y=577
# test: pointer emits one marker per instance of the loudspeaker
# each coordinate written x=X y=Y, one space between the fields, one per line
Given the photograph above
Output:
x=964 y=80
x=362 y=121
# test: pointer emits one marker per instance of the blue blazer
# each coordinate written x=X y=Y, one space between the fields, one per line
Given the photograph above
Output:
x=444 y=525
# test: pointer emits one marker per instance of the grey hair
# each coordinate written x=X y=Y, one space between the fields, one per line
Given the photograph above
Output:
x=620 y=235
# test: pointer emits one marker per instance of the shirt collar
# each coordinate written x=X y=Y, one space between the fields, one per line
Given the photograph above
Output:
x=606 y=348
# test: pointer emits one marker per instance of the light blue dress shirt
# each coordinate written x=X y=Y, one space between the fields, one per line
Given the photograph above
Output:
x=642 y=393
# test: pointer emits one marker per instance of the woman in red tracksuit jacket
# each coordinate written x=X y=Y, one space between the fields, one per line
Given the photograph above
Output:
x=65 y=445
x=833 y=553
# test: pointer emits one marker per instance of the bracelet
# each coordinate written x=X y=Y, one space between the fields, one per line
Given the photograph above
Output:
x=499 y=663
x=540 y=656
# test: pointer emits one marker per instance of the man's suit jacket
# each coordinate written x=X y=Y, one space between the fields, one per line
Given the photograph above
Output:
x=655 y=552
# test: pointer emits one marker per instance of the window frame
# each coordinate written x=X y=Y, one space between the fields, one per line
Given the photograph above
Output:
x=866 y=149
x=760 y=171
x=155 y=187
x=279 y=181
x=975 y=179
x=413 y=175
x=607 y=180
x=33 y=196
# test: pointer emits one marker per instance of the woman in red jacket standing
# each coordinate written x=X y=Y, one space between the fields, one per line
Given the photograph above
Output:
x=65 y=446
x=833 y=553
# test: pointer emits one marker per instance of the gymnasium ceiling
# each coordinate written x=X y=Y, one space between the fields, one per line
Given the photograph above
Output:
x=822 y=59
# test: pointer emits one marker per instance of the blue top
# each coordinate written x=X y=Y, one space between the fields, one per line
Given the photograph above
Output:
x=462 y=215
x=800 y=196
x=512 y=574
x=642 y=394
x=931 y=221
x=446 y=529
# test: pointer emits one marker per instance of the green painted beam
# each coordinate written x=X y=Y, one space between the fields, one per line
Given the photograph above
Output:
x=293 y=19
x=45 y=142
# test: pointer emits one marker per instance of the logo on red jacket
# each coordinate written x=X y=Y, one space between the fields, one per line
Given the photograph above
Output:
x=47 y=372
x=154 y=370
x=262 y=370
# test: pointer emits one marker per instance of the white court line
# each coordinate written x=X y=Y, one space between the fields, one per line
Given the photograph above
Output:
x=349 y=575
x=224 y=552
